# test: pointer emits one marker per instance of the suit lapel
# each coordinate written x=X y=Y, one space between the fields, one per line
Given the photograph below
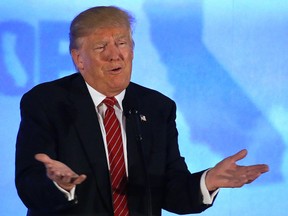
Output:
x=90 y=134
x=135 y=148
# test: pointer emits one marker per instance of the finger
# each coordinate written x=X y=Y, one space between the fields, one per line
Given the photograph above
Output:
x=68 y=178
x=55 y=175
x=254 y=172
x=79 y=179
x=71 y=181
x=249 y=178
x=262 y=168
x=259 y=168
x=43 y=158
x=239 y=155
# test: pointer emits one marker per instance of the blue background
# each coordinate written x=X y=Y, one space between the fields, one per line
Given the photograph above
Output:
x=224 y=62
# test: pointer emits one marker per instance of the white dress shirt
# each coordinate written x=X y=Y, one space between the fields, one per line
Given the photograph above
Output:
x=100 y=108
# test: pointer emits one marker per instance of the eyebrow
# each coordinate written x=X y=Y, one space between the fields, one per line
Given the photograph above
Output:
x=121 y=36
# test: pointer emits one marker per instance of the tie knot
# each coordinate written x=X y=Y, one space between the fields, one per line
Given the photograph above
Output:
x=110 y=101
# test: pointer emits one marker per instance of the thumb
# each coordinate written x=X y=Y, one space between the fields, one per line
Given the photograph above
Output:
x=239 y=155
x=43 y=158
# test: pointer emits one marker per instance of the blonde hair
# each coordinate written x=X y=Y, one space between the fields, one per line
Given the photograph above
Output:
x=98 y=17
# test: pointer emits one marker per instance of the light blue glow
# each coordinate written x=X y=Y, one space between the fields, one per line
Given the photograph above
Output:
x=224 y=63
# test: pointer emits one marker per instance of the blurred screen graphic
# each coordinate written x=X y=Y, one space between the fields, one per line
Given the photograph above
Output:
x=223 y=62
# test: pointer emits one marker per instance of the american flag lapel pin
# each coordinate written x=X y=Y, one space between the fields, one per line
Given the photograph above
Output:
x=143 y=118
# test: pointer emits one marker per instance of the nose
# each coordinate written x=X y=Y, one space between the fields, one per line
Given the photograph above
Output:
x=113 y=53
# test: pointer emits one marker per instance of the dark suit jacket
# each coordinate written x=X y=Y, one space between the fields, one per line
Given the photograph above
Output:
x=58 y=118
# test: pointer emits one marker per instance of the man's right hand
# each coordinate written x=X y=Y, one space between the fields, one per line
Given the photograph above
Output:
x=60 y=173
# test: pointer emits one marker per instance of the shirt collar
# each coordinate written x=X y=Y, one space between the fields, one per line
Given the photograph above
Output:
x=97 y=97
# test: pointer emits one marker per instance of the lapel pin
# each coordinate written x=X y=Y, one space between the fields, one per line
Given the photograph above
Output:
x=143 y=118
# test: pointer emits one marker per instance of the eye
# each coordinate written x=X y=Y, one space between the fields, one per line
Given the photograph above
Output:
x=99 y=47
x=122 y=43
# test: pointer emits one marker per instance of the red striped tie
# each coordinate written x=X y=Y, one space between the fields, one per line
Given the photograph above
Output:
x=116 y=158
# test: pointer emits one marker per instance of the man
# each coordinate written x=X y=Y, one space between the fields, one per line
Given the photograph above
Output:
x=66 y=126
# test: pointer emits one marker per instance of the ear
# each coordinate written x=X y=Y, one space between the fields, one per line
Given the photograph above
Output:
x=77 y=59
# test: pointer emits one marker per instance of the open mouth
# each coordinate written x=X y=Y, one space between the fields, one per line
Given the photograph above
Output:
x=117 y=69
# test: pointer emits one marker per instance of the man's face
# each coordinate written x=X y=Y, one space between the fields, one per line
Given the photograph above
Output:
x=104 y=58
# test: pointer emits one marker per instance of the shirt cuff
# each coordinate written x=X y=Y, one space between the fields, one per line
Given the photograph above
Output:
x=207 y=197
x=70 y=195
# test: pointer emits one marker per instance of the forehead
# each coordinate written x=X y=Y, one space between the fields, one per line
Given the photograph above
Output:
x=103 y=35
x=108 y=32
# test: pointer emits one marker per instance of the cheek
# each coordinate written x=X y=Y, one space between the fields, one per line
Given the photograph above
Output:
x=92 y=70
x=129 y=59
x=92 y=64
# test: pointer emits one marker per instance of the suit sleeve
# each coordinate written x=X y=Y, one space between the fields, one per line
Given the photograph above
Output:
x=36 y=135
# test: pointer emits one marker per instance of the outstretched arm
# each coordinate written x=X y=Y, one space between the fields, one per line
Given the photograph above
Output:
x=60 y=173
x=227 y=174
